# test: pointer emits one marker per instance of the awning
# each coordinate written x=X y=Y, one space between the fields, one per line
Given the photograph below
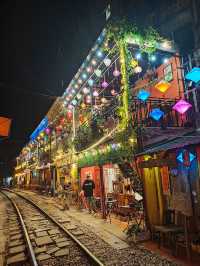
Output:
x=178 y=142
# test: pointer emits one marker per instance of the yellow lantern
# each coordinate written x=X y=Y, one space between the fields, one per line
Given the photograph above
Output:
x=162 y=86
x=134 y=63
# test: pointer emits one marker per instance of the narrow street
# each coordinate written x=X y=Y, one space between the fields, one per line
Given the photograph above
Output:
x=100 y=133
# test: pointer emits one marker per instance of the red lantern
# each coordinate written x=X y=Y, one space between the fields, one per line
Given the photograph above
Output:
x=81 y=118
x=69 y=116
x=62 y=121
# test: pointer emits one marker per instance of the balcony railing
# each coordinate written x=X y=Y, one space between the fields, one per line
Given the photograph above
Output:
x=141 y=114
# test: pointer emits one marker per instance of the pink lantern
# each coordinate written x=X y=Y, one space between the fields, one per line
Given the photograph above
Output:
x=181 y=106
x=47 y=130
x=116 y=73
x=113 y=92
x=104 y=84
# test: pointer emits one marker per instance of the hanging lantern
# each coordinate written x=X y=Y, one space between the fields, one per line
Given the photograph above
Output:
x=80 y=81
x=88 y=99
x=74 y=102
x=143 y=95
x=95 y=93
x=89 y=69
x=69 y=115
x=86 y=90
x=99 y=53
x=48 y=131
x=107 y=61
x=98 y=73
x=134 y=63
x=83 y=105
x=113 y=92
x=70 y=106
x=91 y=82
x=81 y=118
x=104 y=100
x=156 y=114
x=94 y=62
x=138 y=69
x=162 y=86
x=79 y=96
x=181 y=106
x=116 y=73
x=194 y=75
x=104 y=84
x=84 y=76
x=62 y=121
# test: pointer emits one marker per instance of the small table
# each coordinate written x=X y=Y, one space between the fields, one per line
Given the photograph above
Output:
x=171 y=230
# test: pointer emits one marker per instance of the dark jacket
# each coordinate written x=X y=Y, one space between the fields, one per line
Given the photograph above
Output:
x=88 y=186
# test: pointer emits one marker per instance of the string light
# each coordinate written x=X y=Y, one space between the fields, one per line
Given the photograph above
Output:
x=89 y=69
x=138 y=56
x=94 y=62
x=95 y=93
x=153 y=58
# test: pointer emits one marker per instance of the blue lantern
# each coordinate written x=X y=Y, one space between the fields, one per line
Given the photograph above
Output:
x=91 y=82
x=156 y=114
x=143 y=95
x=194 y=75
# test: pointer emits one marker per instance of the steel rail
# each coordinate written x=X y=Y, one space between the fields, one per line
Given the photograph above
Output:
x=92 y=257
x=27 y=239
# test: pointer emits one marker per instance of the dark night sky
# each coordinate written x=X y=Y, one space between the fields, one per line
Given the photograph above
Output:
x=42 y=43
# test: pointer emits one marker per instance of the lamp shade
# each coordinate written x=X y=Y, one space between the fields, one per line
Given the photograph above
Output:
x=181 y=106
x=143 y=95
x=194 y=75
x=156 y=114
x=162 y=86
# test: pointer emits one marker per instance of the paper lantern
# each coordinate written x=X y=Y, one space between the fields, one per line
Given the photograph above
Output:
x=181 y=106
x=138 y=69
x=113 y=92
x=94 y=62
x=143 y=95
x=88 y=99
x=89 y=69
x=98 y=73
x=47 y=130
x=162 y=86
x=91 y=82
x=156 y=114
x=134 y=63
x=104 y=84
x=116 y=73
x=194 y=75
x=95 y=93
x=103 y=100
x=74 y=102
x=83 y=105
x=99 y=53
x=78 y=96
x=69 y=115
x=84 y=76
x=107 y=61
x=70 y=106
x=85 y=90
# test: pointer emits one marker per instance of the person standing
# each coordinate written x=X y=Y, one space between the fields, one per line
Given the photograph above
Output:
x=88 y=187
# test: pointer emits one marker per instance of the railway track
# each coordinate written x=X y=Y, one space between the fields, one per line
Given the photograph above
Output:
x=37 y=238
x=87 y=247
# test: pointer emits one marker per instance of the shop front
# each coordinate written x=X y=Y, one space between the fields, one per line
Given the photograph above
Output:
x=171 y=180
